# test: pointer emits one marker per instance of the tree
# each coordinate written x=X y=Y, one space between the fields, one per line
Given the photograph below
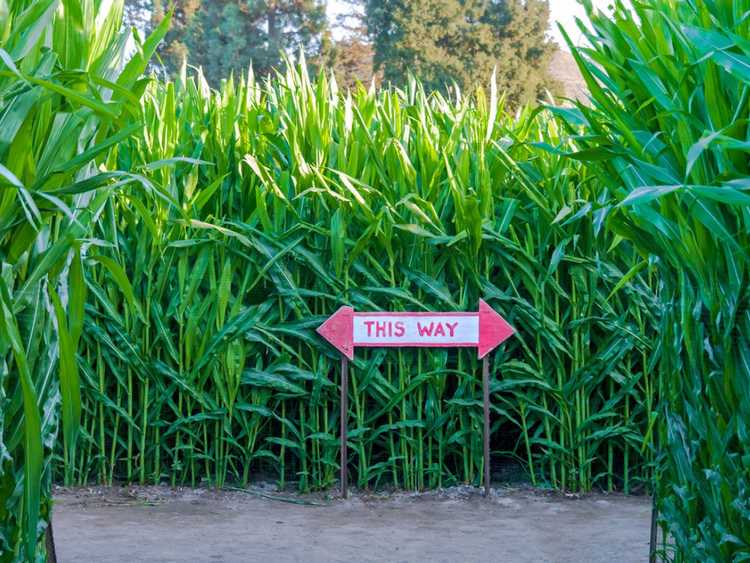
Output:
x=351 y=60
x=350 y=57
x=137 y=13
x=441 y=41
x=223 y=36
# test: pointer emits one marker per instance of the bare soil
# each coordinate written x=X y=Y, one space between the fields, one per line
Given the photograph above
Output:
x=174 y=525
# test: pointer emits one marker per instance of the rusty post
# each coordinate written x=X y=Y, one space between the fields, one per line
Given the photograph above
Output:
x=654 y=531
x=49 y=540
x=344 y=412
x=486 y=388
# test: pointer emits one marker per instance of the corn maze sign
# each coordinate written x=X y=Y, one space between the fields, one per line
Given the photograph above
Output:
x=483 y=330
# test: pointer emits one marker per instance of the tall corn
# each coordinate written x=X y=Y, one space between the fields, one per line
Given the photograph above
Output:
x=65 y=100
x=274 y=204
x=669 y=83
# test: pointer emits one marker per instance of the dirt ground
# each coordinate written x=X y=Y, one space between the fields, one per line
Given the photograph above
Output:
x=515 y=525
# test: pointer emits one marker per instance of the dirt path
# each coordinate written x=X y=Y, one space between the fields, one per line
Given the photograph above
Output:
x=162 y=525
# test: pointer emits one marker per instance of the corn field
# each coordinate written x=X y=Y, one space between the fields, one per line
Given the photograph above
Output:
x=270 y=205
x=669 y=82
x=168 y=250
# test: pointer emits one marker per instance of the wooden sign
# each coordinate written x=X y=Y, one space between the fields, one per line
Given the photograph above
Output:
x=347 y=329
x=484 y=330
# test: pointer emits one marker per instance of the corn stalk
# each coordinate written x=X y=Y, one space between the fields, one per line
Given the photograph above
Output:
x=66 y=98
x=274 y=204
x=668 y=128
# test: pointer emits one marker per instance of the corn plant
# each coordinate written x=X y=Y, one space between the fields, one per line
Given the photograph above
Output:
x=668 y=131
x=273 y=204
x=66 y=97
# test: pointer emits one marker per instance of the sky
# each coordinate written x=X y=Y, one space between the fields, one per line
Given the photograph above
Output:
x=563 y=11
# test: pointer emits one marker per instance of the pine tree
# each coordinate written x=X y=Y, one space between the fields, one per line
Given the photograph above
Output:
x=222 y=36
x=442 y=41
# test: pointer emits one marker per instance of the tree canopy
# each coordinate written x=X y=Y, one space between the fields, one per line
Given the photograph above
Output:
x=442 y=41
x=222 y=36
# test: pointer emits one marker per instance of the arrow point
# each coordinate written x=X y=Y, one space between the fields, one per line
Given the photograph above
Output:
x=493 y=329
x=339 y=331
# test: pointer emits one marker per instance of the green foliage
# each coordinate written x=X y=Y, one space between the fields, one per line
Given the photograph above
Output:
x=462 y=41
x=64 y=101
x=271 y=205
x=225 y=36
x=669 y=132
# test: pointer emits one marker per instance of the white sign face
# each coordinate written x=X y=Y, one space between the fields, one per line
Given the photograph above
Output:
x=347 y=329
x=416 y=329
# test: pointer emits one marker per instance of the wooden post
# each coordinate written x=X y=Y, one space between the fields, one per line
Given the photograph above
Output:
x=344 y=412
x=49 y=540
x=486 y=386
x=654 y=532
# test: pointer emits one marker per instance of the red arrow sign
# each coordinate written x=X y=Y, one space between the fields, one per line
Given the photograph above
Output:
x=484 y=330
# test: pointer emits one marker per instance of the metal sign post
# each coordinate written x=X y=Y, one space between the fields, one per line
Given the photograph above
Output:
x=486 y=400
x=483 y=329
x=654 y=529
x=344 y=411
